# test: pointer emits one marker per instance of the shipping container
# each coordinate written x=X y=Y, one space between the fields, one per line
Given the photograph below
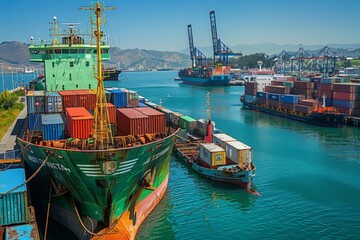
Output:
x=201 y=126
x=131 y=122
x=343 y=103
x=287 y=98
x=187 y=123
x=167 y=115
x=175 y=117
x=308 y=92
x=69 y=99
x=157 y=120
x=212 y=154
x=344 y=96
x=35 y=101
x=112 y=112
x=262 y=94
x=288 y=106
x=347 y=87
x=303 y=109
x=274 y=103
x=85 y=99
x=13 y=205
x=79 y=122
x=22 y=232
x=274 y=97
x=118 y=98
x=251 y=88
x=262 y=101
x=277 y=89
x=53 y=102
x=238 y=152
x=35 y=123
x=310 y=102
x=326 y=86
x=221 y=139
x=132 y=98
x=304 y=85
x=52 y=126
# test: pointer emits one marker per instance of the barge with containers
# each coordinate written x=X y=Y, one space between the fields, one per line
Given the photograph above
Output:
x=210 y=152
x=105 y=166
x=294 y=100
x=203 y=76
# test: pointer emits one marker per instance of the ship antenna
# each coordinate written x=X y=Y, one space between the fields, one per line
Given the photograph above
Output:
x=208 y=105
x=101 y=129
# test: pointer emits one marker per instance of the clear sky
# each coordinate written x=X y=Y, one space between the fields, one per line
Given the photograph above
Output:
x=162 y=24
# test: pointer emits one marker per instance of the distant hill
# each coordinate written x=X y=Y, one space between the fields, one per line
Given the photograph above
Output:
x=16 y=54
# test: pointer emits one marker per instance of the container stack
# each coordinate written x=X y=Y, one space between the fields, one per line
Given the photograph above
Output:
x=53 y=102
x=250 y=91
x=156 y=119
x=238 y=152
x=130 y=121
x=289 y=102
x=305 y=88
x=35 y=101
x=346 y=97
x=175 y=118
x=221 y=139
x=262 y=98
x=274 y=100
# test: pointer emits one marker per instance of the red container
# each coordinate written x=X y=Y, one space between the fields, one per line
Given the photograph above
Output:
x=131 y=122
x=276 y=83
x=288 y=106
x=303 y=109
x=274 y=103
x=251 y=88
x=344 y=96
x=320 y=93
x=86 y=99
x=69 y=99
x=326 y=86
x=112 y=112
x=310 y=102
x=157 y=119
x=305 y=91
x=277 y=89
x=304 y=85
x=346 y=87
x=263 y=101
x=79 y=122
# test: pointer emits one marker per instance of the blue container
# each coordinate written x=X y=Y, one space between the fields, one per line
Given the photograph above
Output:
x=118 y=98
x=328 y=102
x=13 y=205
x=22 y=232
x=343 y=103
x=274 y=96
x=288 y=98
x=53 y=126
x=53 y=102
x=262 y=94
x=35 y=123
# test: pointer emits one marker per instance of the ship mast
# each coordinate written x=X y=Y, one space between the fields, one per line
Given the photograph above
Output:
x=208 y=105
x=101 y=129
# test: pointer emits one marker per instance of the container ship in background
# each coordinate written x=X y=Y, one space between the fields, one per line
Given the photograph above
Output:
x=100 y=158
x=316 y=100
x=111 y=73
x=206 y=76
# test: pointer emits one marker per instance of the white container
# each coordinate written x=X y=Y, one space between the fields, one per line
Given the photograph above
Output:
x=238 y=152
x=221 y=139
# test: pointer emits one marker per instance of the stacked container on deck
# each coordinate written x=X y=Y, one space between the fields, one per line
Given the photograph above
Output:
x=305 y=88
x=346 y=98
x=250 y=91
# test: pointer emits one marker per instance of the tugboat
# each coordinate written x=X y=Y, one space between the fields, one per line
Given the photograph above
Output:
x=105 y=174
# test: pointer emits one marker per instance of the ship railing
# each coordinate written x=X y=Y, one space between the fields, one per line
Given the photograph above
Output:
x=11 y=154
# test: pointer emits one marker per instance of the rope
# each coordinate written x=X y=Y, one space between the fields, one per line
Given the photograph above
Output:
x=30 y=178
x=86 y=229
x=8 y=166
x=47 y=214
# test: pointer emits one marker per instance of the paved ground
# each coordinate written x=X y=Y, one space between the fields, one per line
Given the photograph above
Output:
x=17 y=128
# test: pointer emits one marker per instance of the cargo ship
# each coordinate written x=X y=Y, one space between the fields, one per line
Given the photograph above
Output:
x=97 y=156
x=300 y=106
x=111 y=74
x=203 y=76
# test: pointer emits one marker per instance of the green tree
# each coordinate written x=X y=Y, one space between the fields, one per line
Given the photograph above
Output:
x=7 y=99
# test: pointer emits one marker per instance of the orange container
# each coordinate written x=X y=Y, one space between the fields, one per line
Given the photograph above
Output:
x=157 y=120
x=79 y=122
x=112 y=112
x=69 y=99
x=131 y=122
x=86 y=99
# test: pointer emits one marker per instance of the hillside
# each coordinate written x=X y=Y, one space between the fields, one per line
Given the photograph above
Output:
x=16 y=54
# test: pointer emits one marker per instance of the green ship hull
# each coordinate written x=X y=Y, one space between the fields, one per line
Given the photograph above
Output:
x=104 y=187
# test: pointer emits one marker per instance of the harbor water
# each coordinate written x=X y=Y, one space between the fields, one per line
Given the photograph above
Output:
x=308 y=176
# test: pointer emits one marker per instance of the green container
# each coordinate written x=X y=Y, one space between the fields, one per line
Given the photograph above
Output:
x=288 y=84
x=187 y=123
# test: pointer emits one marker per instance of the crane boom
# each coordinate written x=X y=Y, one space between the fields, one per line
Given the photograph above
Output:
x=191 y=43
x=197 y=57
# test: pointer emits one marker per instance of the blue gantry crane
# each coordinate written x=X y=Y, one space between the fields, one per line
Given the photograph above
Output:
x=197 y=57
x=221 y=51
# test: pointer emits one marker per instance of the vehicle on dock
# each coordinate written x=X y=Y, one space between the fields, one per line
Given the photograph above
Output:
x=106 y=158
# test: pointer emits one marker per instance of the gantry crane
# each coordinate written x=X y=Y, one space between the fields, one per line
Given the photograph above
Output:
x=197 y=57
x=221 y=50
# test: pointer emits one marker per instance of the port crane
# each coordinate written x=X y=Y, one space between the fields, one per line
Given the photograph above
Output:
x=197 y=57
x=221 y=50
x=325 y=61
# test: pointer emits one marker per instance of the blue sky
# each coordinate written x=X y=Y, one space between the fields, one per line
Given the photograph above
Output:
x=161 y=24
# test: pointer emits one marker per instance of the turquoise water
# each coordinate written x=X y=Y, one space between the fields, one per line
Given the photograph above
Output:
x=309 y=176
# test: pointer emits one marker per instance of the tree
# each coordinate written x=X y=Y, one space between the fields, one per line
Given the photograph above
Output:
x=7 y=99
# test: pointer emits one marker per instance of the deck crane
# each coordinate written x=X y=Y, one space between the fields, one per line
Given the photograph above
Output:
x=220 y=49
x=197 y=57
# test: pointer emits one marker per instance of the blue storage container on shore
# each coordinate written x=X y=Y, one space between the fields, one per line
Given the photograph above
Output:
x=53 y=102
x=262 y=94
x=288 y=98
x=52 y=126
x=118 y=98
x=35 y=123
x=274 y=96
x=14 y=204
